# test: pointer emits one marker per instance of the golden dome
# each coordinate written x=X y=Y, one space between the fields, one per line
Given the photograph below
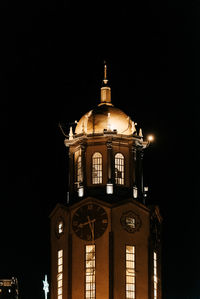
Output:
x=105 y=117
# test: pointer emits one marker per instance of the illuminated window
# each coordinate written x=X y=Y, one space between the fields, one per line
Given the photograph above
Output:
x=60 y=275
x=90 y=285
x=130 y=272
x=60 y=227
x=79 y=169
x=155 y=276
x=119 y=169
x=97 y=168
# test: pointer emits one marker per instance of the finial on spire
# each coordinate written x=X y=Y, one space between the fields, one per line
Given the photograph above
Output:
x=105 y=80
x=140 y=133
x=105 y=89
x=71 y=134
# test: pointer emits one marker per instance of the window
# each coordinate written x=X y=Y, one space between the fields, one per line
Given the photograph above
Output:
x=79 y=169
x=155 y=276
x=130 y=272
x=97 y=168
x=90 y=285
x=60 y=227
x=60 y=275
x=119 y=169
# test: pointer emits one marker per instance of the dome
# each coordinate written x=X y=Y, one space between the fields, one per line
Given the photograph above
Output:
x=105 y=117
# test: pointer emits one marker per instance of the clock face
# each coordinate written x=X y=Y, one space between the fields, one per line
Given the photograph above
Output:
x=130 y=221
x=90 y=221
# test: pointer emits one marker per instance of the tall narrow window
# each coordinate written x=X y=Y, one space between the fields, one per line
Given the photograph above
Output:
x=79 y=169
x=60 y=275
x=90 y=284
x=119 y=169
x=97 y=168
x=130 y=272
x=155 y=276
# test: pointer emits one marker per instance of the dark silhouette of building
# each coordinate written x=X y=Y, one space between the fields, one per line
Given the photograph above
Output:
x=9 y=288
x=105 y=242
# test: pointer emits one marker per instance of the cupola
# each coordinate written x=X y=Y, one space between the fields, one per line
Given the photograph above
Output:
x=106 y=152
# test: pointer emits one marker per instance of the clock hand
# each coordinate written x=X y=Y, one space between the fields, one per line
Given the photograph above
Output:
x=91 y=224
x=86 y=223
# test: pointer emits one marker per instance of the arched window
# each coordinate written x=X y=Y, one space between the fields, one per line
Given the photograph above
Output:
x=119 y=169
x=97 y=168
x=79 y=169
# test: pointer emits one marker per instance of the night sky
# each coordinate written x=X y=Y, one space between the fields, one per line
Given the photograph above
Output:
x=51 y=72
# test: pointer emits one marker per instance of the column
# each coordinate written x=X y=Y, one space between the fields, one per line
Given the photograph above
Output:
x=83 y=164
x=71 y=173
x=110 y=179
x=109 y=160
x=140 y=166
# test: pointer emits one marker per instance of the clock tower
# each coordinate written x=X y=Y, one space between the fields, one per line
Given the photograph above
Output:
x=105 y=241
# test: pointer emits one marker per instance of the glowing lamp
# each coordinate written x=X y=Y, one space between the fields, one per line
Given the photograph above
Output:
x=80 y=191
x=150 y=138
x=146 y=189
x=109 y=188
x=135 y=192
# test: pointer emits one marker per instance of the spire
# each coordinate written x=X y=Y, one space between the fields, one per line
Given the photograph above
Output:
x=105 y=89
x=105 y=80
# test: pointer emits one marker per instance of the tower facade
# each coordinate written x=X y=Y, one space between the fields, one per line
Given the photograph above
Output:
x=105 y=242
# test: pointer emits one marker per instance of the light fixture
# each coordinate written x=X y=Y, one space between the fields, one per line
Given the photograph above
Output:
x=150 y=138
x=135 y=192
x=146 y=189
x=80 y=191
x=109 y=188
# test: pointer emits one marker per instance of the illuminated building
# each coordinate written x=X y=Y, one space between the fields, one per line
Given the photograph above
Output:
x=105 y=242
x=9 y=288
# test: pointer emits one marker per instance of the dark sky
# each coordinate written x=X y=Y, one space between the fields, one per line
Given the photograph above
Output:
x=52 y=67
